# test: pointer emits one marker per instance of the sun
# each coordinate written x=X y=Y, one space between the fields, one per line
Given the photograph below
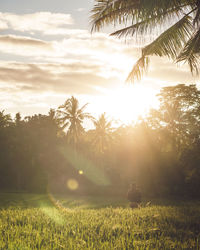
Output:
x=128 y=102
x=123 y=103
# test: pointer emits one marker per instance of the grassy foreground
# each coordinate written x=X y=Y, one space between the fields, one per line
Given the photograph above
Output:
x=38 y=222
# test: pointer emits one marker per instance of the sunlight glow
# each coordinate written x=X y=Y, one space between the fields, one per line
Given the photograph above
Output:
x=127 y=103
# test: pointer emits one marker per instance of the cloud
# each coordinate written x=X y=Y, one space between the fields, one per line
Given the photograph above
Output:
x=170 y=72
x=65 y=31
x=22 y=41
x=78 y=64
x=113 y=58
x=44 y=22
x=58 y=78
x=32 y=88
x=80 y=9
x=25 y=46
x=98 y=55
x=80 y=46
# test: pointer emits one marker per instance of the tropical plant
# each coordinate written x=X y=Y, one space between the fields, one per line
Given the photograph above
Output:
x=102 y=133
x=177 y=24
x=71 y=116
x=178 y=115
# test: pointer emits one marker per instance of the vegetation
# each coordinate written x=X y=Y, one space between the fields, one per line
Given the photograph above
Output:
x=34 y=222
x=71 y=117
x=83 y=181
x=160 y=153
x=174 y=23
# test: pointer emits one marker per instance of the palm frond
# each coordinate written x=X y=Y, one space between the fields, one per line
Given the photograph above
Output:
x=197 y=16
x=112 y=11
x=65 y=105
x=60 y=112
x=149 y=24
x=119 y=11
x=143 y=16
x=191 y=52
x=65 y=125
x=170 y=41
x=88 y=116
x=138 y=69
x=82 y=108
x=167 y=44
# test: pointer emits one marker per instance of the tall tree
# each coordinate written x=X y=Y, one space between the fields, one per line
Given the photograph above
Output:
x=71 y=117
x=102 y=133
x=178 y=116
x=177 y=21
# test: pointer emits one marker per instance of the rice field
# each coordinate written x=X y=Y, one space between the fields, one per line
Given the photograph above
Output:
x=29 y=221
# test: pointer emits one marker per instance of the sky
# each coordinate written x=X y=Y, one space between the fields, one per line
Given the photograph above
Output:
x=47 y=54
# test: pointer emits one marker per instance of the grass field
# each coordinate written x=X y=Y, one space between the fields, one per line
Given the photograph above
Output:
x=30 y=221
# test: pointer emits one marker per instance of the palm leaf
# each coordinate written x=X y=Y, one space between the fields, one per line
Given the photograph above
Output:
x=82 y=108
x=170 y=41
x=145 y=15
x=138 y=70
x=149 y=24
x=117 y=11
x=197 y=16
x=121 y=11
x=167 y=44
x=65 y=125
x=191 y=51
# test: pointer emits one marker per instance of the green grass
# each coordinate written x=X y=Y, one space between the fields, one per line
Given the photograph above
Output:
x=40 y=222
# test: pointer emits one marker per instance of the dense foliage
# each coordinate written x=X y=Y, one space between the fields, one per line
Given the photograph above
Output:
x=160 y=153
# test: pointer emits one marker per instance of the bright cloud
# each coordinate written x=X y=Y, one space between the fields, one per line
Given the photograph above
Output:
x=44 y=22
x=112 y=57
x=95 y=61
x=61 y=78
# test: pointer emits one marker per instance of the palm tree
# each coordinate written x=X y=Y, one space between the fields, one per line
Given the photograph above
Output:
x=102 y=133
x=71 y=117
x=178 y=23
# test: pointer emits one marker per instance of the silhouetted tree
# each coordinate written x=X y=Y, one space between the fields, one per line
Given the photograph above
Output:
x=102 y=136
x=71 y=117
x=160 y=152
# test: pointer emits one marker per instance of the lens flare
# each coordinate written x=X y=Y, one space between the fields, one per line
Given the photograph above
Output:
x=85 y=166
x=72 y=184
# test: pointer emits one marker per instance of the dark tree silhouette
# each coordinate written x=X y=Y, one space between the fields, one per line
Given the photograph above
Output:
x=160 y=152
x=71 y=117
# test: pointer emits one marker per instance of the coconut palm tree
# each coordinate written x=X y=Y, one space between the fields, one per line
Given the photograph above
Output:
x=102 y=133
x=177 y=23
x=71 y=117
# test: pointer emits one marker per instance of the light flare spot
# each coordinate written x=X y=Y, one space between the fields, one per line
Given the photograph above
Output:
x=80 y=172
x=72 y=184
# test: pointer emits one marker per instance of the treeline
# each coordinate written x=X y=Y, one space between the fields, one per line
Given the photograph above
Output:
x=161 y=153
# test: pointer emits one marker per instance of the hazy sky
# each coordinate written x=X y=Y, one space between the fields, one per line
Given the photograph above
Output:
x=48 y=53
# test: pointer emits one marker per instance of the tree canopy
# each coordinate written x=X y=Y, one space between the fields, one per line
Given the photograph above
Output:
x=160 y=152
